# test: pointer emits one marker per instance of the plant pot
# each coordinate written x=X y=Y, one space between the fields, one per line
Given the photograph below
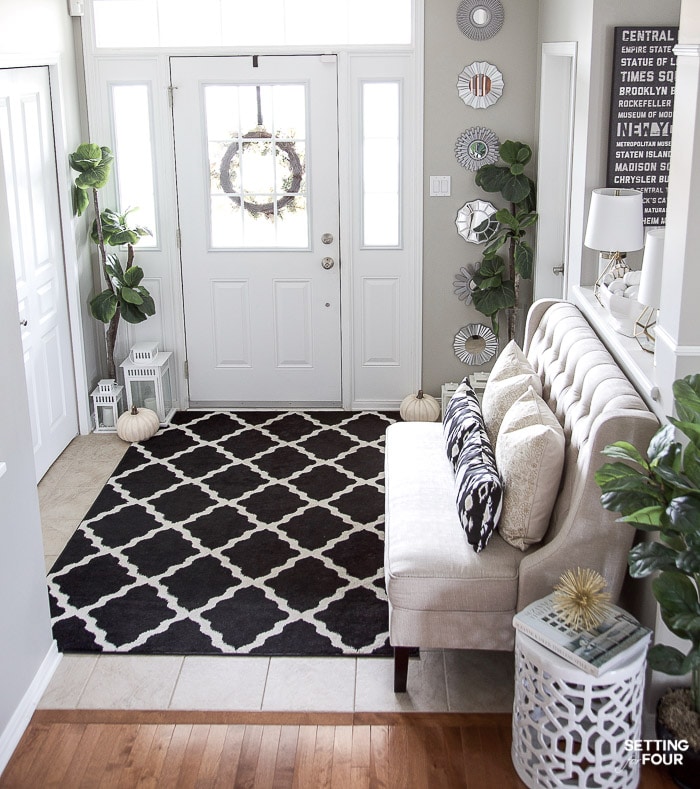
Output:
x=685 y=771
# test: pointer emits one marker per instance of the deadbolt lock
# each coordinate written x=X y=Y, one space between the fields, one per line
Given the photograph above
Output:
x=327 y=238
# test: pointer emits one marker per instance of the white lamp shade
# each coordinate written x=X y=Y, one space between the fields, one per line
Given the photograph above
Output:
x=615 y=222
x=652 y=262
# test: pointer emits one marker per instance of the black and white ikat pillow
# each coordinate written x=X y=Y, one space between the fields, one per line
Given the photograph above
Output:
x=462 y=418
x=478 y=485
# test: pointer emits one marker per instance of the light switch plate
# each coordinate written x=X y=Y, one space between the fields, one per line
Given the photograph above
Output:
x=440 y=185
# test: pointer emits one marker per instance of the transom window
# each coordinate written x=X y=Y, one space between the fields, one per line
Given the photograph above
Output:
x=184 y=23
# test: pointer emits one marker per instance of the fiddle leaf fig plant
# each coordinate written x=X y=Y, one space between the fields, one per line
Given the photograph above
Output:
x=124 y=296
x=519 y=190
x=491 y=291
x=660 y=492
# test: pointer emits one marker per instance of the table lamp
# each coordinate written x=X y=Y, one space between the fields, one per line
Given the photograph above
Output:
x=615 y=225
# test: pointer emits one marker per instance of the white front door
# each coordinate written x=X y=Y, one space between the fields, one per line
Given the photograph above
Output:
x=34 y=226
x=256 y=147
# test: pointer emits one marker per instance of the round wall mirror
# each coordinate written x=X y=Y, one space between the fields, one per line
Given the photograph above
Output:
x=480 y=19
x=475 y=344
x=480 y=84
x=476 y=222
x=476 y=147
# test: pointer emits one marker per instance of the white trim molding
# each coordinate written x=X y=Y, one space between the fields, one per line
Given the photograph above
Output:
x=19 y=721
x=687 y=50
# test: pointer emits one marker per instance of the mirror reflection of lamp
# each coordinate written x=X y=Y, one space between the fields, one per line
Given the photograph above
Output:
x=615 y=226
x=650 y=289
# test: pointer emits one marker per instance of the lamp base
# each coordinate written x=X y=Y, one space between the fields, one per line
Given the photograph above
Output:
x=645 y=329
x=616 y=269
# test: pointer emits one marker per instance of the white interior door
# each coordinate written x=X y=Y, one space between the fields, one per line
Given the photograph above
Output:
x=34 y=225
x=256 y=145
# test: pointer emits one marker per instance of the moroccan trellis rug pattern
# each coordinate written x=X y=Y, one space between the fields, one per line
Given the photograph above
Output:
x=234 y=533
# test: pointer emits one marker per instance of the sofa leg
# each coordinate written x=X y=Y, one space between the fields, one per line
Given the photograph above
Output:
x=401 y=668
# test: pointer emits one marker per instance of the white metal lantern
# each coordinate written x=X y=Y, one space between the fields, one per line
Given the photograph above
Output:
x=108 y=404
x=148 y=380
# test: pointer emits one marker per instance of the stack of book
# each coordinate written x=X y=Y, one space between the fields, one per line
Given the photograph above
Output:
x=595 y=651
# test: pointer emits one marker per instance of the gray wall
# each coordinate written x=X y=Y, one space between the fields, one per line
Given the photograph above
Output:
x=28 y=26
x=514 y=52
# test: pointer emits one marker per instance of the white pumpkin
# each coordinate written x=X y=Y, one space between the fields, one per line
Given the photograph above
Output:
x=138 y=424
x=419 y=408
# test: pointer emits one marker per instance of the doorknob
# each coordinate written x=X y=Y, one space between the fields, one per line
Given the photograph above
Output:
x=328 y=263
x=557 y=269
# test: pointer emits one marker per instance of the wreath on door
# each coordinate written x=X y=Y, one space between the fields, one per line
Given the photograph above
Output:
x=287 y=155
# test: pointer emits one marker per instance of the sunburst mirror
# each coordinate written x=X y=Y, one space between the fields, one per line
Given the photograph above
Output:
x=480 y=84
x=475 y=344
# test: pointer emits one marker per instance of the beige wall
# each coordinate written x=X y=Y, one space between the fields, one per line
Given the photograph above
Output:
x=514 y=52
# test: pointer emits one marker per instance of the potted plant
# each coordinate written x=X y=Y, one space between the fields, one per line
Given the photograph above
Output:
x=124 y=297
x=497 y=282
x=660 y=493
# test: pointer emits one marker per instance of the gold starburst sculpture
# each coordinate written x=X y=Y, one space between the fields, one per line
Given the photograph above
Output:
x=580 y=599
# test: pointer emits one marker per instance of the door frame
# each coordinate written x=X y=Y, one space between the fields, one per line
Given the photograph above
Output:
x=364 y=385
x=68 y=231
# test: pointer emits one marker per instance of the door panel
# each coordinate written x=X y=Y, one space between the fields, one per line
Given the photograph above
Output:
x=29 y=162
x=256 y=145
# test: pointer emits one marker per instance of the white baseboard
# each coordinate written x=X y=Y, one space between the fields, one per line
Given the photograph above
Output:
x=19 y=721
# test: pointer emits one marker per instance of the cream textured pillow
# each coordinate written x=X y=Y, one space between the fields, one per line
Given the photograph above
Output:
x=510 y=378
x=530 y=459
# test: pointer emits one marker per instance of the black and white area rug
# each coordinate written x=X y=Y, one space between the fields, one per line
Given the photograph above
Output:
x=234 y=533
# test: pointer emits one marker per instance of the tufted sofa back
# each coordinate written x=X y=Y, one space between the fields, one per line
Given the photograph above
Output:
x=596 y=404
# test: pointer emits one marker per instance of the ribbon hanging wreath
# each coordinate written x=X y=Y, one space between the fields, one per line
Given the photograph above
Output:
x=294 y=163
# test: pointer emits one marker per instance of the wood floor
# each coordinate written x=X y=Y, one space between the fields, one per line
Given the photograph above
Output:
x=76 y=748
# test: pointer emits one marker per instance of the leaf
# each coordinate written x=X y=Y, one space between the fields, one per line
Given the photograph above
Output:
x=688 y=562
x=623 y=450
x=661 y=441
x=133 y=275
x=669 y=660
x=491 y=301
x=524 y=257
x=86 y=156
x=491 y=249
x=647 y=518
x=81 y=200
x=132 y=314
x=647 y=557
x=676 y=594
x=104 y=306
x=148 y=307
x=512 y=152
x=684 y=514
x=626 y=502
x=504 y=216
x=490 y=177
x=515 y=188
x=686 y=393
x=130 y=296
x=690 y=429
x=620 y=476
x=517 y=169
x=95 y=178
x=529 y=219
x=691 y=464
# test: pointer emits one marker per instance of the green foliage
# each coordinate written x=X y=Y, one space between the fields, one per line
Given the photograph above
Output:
x=124 y=297
x=125 y=294
x=115 y=230
x=519 y=190
x=492 y=290
x=94 y=165
x=660 y=493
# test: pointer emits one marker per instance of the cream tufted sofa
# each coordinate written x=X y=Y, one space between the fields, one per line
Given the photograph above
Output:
x=444 y=595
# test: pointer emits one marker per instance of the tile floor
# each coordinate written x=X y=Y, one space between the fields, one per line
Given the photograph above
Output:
x=438 y=681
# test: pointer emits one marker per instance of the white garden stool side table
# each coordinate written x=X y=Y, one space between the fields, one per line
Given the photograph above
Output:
x=570 y=728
